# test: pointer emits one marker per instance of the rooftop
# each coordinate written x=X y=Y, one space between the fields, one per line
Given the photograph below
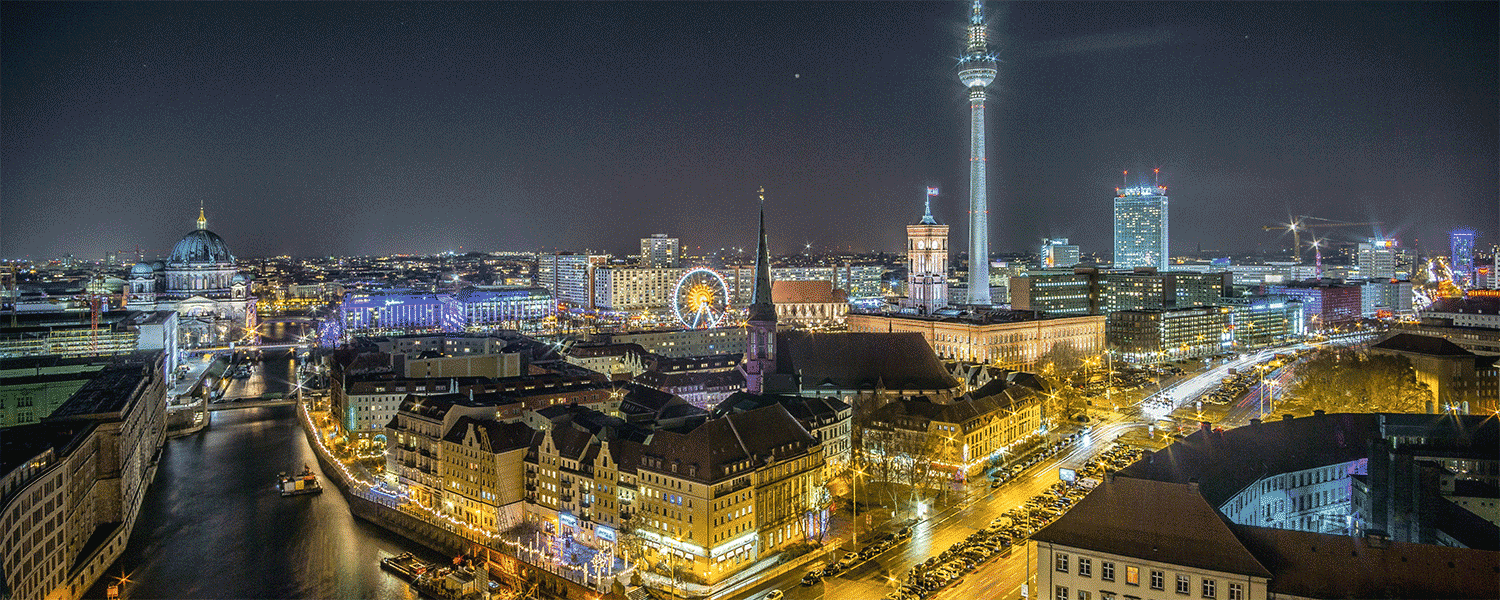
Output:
x=1153 y=520
x=1314 y=565
x=864 y=361
x=112 y=389
x=1422 y=344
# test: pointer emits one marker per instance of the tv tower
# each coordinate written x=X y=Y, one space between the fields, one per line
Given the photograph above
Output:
x=977 y=71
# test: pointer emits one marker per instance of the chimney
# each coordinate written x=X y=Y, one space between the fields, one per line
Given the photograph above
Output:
x=1254 y=422
x=1286 y=417
x=1318 y=412
x=1193 y=485
x=1205 y=425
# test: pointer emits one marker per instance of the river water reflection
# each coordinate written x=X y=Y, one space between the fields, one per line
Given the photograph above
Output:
x=212 y=526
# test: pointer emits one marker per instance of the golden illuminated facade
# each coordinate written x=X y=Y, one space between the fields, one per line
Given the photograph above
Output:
x=1007 y=339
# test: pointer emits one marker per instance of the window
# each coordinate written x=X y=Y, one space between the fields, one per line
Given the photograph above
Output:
x=1158 y=580
x=1210 y=588
x=1085 y=567
x=1133 y=575
x=1106 y=570
x=1182 y=584
x=1061 y=593
x=1083 y=595
x=1236 y=591
x=1061 y=563
x=1103 y=595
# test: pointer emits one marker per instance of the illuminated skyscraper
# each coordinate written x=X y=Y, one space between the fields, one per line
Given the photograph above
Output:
x=1462 y=259
x=1141 y=227
x=927 y=262
x=977 y=71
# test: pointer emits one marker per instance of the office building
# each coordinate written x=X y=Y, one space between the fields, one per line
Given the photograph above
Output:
x=1461 y=260
x=1141 y=228
x=488 y=308
x=1161 y=335
x=1075 y=292
x=570 y=276
x=71 y=487
x=660 y=252
x=1325 y=303
x=1377 y=259
x=1264 y=321
x=1058 y=254
x=927 y=263
x=72 y=334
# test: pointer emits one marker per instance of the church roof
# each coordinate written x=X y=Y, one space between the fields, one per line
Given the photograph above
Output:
x=201 y=246
x=865 y=361
x=806 y=292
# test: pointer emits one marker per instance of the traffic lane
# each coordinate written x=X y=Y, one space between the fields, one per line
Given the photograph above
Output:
x=958 y=525
x=998 y=578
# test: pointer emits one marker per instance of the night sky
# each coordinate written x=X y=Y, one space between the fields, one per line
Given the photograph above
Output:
x=362 y=128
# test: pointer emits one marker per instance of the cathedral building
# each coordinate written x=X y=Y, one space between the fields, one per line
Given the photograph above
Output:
x=201 y=283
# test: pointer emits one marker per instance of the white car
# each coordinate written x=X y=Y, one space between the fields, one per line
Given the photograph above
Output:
x=774 y=595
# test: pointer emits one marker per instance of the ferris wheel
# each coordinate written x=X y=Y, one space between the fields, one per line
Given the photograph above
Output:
x=700 y=298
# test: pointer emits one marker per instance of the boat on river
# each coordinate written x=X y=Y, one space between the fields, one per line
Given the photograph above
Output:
x=304 y=483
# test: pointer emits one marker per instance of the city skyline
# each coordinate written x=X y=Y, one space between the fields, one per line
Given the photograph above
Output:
x=473 y=133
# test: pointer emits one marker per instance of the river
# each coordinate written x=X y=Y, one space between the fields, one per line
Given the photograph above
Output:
x=212 y=526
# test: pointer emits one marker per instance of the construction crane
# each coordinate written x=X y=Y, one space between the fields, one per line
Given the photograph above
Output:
x=1301 y=223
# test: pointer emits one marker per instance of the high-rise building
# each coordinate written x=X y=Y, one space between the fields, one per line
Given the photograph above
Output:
x=1462 y=259
x=977 y=70
x=1377 y=259
x=660 y=252
x=1059 y=254
x=927 y=262
x=1141 y=227
x=569 y=276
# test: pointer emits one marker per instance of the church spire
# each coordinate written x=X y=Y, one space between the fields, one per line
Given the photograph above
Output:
x=202 y=220
x=763 y=309
x=760 y=323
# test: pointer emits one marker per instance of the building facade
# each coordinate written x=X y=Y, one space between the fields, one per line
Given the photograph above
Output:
x=1058 y=254
x=1162 y=335
x=72 y=486
x=570 y=276
x=1007 y=339
x=660 y=252
x=1141 y=228
x=1325 y=303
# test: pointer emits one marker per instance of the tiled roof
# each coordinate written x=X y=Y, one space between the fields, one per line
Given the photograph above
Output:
x=492 y=436
x=865 y=361
x=806 y=292
x=1153 y=520
x=1313 y=565
x=705 y=452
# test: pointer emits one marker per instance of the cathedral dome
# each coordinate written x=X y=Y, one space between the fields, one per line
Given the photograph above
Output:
x=201 y=246
x=141 y=269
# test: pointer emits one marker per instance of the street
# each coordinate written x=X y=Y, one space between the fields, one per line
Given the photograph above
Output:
x=882 y=574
